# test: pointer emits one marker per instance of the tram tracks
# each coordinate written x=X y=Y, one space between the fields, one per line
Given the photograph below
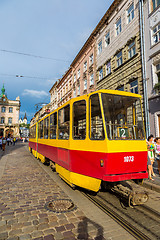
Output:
x=134 y=220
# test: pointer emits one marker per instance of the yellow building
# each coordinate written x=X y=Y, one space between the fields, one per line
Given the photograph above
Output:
x=9 y=115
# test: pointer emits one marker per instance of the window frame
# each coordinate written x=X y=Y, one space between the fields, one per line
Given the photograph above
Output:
x=131 y=49
x=3 y=109
x=130 y=13
x=134 y=87
x=107 y=39
x=107 y=64
x=91 y=79
x=118 y=26
x=155 y=34
x=69 y=121
x=119 y=59
x=3 y=119
x=91 y=60
x=85 y=84
x=85 y=66
x=100 y=74
x=100 y=47
x=73 y=119
x=10 y=108
x=90 y=109
x=55 y=114
x=44 y=127
x=10 y=122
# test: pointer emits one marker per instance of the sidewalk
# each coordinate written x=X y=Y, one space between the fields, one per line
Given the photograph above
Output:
x=27 y=187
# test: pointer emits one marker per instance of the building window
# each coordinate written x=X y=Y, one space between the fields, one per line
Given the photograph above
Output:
x=156 y=34
x=131 y=50
x=100 y=73
x=119 y=59
x=99 y=47
x=10 y=120
x=2 y=120
x=85 y=66
x=79 y=90
x=74 y=77
x=78 y=73
x=91 y=59
x=10 y=109
x=3 y=109
x=134 y=86
x=108 y=68
x=158 y=67
x=154 y=4
x=91 y=79
x=85 y=84
x=118 y=27
x=107 y=39
x=130 y=13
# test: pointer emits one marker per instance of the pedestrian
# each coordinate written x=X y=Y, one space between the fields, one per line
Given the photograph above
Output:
x=150 y=147
x=3 y=143
x=8 y=141
x=157 y=152
x=14 y=141
x=11 y=140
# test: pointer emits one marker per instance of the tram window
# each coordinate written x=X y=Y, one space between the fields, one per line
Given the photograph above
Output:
x=40 y=132
x=46 y=127
x=53 y=125
x=123 y=117
x=79 y=120
x=32 y=132
x=96 y=122
x=64 y=122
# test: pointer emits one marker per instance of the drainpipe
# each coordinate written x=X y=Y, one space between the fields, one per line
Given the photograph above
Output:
x=146 y=108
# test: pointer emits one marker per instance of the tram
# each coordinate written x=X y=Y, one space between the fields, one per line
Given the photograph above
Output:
x=93 y=139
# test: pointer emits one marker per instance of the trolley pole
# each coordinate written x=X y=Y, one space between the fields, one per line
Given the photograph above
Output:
x=145 y=92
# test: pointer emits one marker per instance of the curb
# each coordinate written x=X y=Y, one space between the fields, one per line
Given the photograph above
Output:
x=151 y=186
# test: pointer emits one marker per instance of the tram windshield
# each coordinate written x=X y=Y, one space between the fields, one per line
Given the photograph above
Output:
x=123 y=117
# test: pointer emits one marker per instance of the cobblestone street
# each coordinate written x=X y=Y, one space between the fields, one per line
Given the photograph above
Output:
x=25 y=188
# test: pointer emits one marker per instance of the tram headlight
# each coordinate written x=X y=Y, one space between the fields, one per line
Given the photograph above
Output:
x=101 y=162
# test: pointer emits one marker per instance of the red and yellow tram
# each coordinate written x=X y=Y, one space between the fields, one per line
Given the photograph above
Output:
x=94 y=138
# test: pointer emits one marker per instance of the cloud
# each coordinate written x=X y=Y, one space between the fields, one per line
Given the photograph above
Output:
x=34 y=93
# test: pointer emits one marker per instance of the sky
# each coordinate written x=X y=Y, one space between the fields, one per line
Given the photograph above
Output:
x=39 y=40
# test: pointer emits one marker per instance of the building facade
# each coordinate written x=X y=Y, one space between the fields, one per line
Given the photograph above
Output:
x=64 y=88
x=9 y=115
x=84 y=69
x=152 y=53
x=53 y=97
x=119 y=49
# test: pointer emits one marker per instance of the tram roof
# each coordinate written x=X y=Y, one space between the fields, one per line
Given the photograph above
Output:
x=113 y=92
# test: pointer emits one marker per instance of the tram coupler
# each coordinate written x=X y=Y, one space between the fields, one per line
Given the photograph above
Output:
x=132 y=192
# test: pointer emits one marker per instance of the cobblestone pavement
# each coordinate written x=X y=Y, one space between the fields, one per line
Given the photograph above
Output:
x=25 y=188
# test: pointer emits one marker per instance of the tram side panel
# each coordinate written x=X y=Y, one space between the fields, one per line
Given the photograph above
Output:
x=87 y=163
x=49 y=151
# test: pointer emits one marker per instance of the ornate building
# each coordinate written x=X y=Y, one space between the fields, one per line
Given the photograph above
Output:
x=152 y=52
x=24 y=120
x=9 y=115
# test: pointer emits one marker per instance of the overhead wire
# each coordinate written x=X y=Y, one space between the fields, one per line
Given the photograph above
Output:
x=32 y=55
